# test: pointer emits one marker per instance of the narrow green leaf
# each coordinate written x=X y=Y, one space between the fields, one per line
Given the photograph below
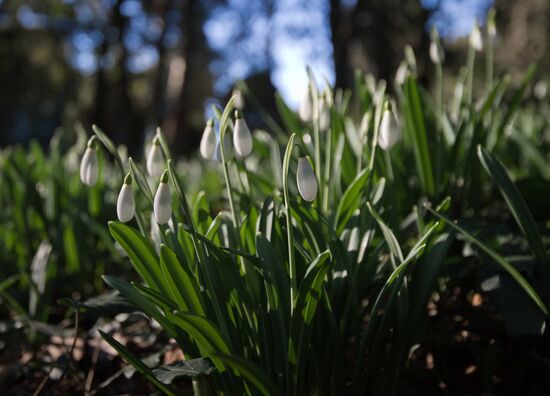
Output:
x=136 y=363
x=512 y=271
x=515 y=202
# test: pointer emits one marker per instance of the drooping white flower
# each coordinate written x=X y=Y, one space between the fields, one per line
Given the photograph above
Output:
x=126 y=205
x=306 y=106
x=390 y=131
x=239 y=98
x=324 y=112
x=89 y=167
x=155 y=159
x=162 y=205
x=306 y=180
x=242 y=138
x=208 y=141
x=476 y=38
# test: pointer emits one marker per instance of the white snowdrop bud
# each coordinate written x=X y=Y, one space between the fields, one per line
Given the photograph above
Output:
x=239 y=98
x=389 y=132
x=208 y=141
x=242 y=138
x=306 y=106
x=163 y=201
x=401 y=73
x=436 y=51
x=89 y=167
x=306 y=180
x=155 y=159
x=126 y=205
x=324 y=112
x=476 y=38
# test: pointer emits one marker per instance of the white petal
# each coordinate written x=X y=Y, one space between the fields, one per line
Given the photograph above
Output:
x=89 y=167
x=306 y=180
x=242 y=138
x=324 y=115
x=155 y=161
x=389 y=130
x=208 y=142
x=155 y=231
x=125 y=205
x=306 y=107
x=239 y=98
x=401 y=73
x=435 y=53
x=476 y=39
x=163 y=204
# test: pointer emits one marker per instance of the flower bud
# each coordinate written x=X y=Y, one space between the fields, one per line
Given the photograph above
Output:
x=436 y=52
x=239 y=98
x=155 y=159
x=401 y=73
x=208 y=141
x=89 y=167
x=242 y=138
x=476 y=39
x=389 y=129
x=163 y=201
x=306 y=106
x=306 y=180
x=324 y=112
x=126 y=205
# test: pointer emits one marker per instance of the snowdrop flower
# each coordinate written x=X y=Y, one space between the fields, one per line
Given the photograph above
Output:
x=306 y=180
x=306 y=106
x=89 y=167
x=242 y=138
x=389 y=132
x=162 y=206
x=208 y=141
x=436 y=52
x=239 y=98
x=476 y=39
x=324 y=112
x=126 y=205
x=155 y=160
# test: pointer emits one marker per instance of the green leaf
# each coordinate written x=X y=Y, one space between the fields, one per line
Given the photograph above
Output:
x=183 y=368
x=514 y=273
x=108 y=304
x=415 y=124
x=515 y=202
x=136 y=363
x=350 y=201
x=141 y=253
x=250 y=372
x=183 y=287
x=205 y=333
x=390 y=238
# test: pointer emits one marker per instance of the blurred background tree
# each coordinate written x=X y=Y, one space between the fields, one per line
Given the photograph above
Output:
x=130 y=65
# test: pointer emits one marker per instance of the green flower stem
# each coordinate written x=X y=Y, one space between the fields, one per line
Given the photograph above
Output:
x=289 y=234
x=325 y=190
x=228 y=184
x=470 y=68
x=317 y=137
